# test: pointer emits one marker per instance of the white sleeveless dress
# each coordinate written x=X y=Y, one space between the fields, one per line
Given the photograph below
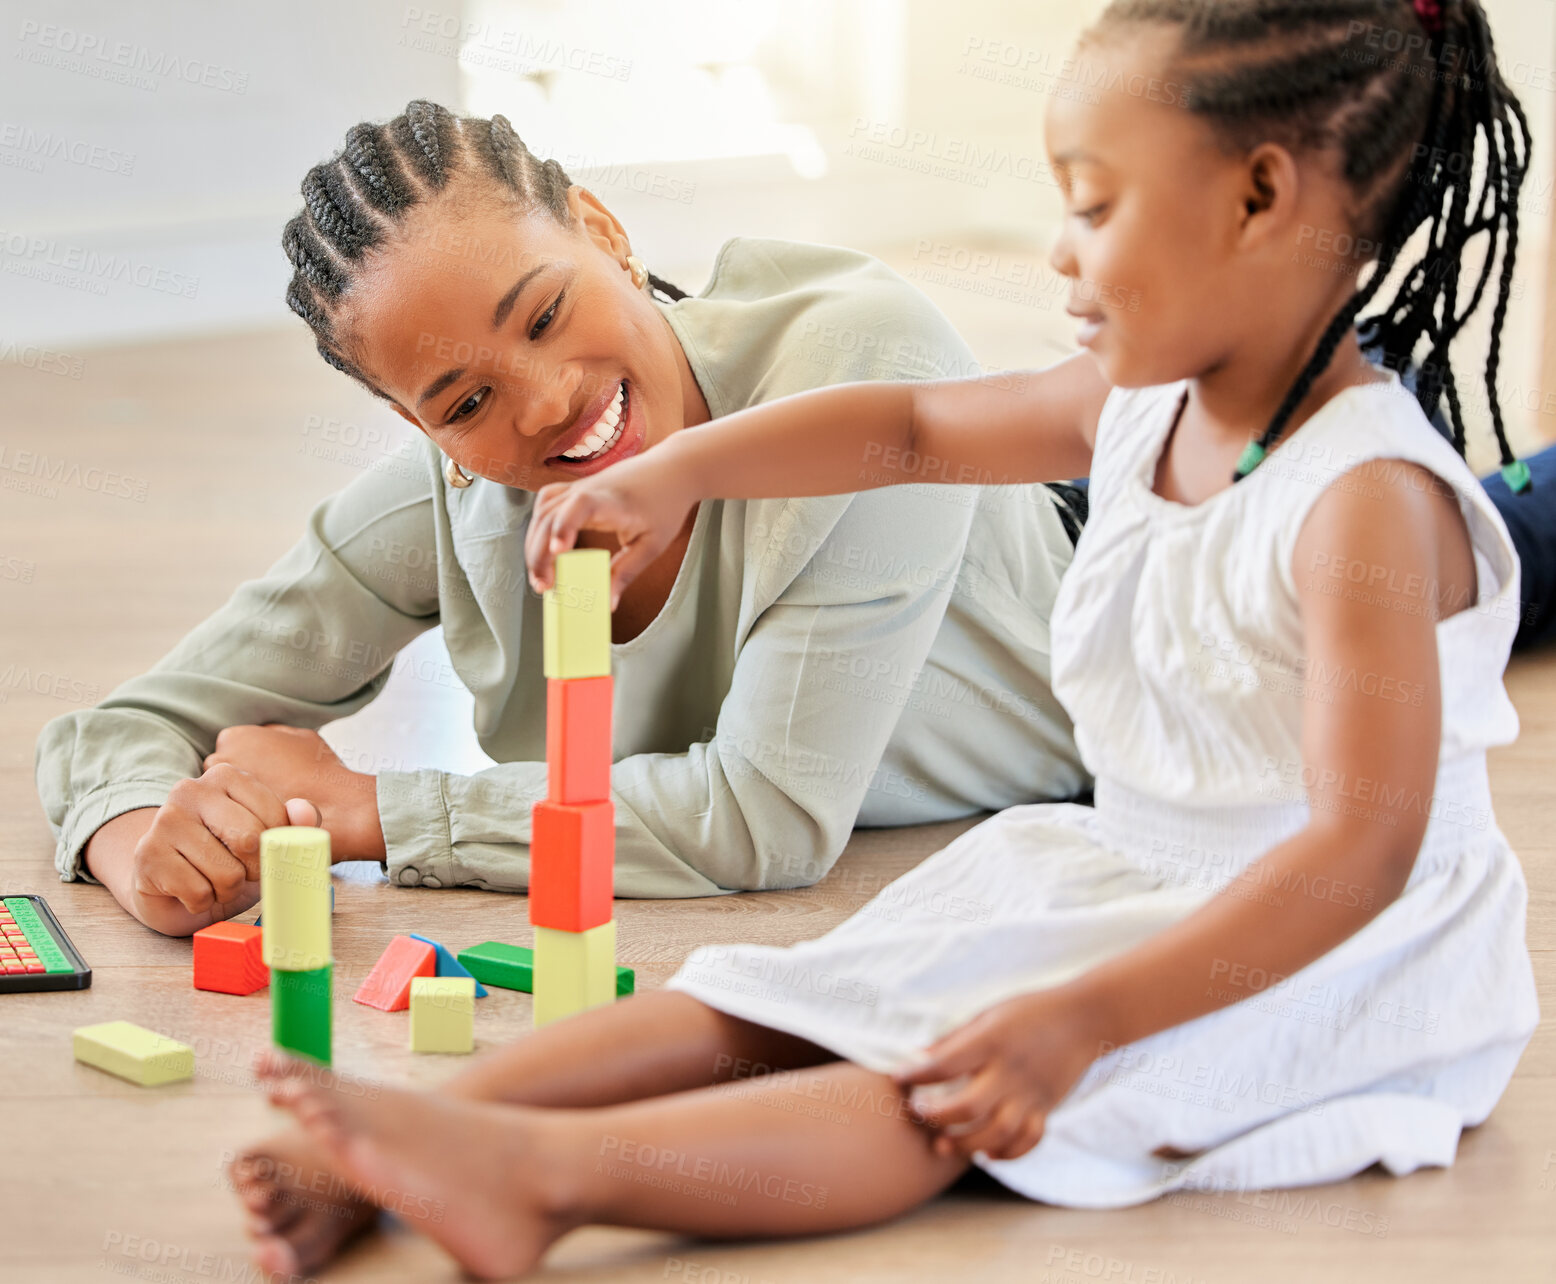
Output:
x=1178 y=651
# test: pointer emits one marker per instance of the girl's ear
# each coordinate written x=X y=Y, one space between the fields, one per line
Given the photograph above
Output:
x=1269 y=192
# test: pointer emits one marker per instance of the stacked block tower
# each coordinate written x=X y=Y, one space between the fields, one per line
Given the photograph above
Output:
x=573 y=829
x=294 y=881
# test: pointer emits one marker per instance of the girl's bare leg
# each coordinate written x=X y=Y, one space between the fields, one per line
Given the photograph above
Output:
x=302 y=1212
x=824 y=1148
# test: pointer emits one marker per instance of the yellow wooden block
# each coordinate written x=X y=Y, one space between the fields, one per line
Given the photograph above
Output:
x=576 y=616
x=294 y=880
x=442 y=1014
x=573 y=970
x=133 y=1052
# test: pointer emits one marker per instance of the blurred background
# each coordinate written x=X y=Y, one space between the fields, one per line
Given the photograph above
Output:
x=150 y=154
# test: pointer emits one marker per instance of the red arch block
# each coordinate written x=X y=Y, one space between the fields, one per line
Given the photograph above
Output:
x=388 y=985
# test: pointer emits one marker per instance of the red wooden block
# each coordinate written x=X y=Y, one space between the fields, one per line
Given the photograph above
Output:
x=578 y=739
x=228 y=958
x=388 y=985
x=572 y=859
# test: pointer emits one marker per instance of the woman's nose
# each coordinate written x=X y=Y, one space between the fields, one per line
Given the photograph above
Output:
x=545 y=405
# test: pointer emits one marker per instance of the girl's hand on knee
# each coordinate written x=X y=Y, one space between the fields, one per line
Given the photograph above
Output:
x=997 y=1077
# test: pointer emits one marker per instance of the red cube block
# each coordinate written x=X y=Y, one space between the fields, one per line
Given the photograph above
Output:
x=578 y=739
x=228 y=958
x=572 y=864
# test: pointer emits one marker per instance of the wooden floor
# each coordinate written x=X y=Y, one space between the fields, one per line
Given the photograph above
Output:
x=229 y=439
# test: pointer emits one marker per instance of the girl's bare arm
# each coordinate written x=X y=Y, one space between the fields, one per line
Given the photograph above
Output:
x=1022 y=426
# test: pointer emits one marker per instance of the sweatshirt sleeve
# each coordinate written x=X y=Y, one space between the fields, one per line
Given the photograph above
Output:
x=310 y=641
x=771 y=799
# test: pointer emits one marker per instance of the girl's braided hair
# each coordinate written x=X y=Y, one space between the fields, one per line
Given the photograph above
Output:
x=1402 y=93
x=354 y=201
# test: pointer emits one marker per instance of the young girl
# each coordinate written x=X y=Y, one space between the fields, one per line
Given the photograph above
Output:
x=1288 y=940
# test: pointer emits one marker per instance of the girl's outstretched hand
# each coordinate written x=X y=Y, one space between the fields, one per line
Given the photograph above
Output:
x=644 y=505
x=1012 y=1065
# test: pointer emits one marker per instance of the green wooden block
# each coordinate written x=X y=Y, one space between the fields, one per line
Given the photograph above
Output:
x=512 y=967
x=576 y=616
x=300 y=1012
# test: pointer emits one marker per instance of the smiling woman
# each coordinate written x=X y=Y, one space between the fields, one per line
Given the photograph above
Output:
x=784 y=670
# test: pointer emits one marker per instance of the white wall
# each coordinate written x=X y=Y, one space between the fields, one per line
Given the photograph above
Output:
x=694 y=119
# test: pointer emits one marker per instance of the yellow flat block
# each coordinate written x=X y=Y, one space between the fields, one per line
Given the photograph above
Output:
x=294 y=881
x=576 y=616
x=133 y=1052
x=573 y=970
x=442 y=1014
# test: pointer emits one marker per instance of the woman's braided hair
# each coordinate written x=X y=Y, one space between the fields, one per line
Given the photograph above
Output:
x=1401 y=92
x=354 y=201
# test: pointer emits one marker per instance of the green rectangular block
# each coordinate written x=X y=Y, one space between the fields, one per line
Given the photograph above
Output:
x=300 y=1012
x=512 y=967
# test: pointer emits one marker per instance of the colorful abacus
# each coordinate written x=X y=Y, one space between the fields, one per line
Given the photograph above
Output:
x=573 y=829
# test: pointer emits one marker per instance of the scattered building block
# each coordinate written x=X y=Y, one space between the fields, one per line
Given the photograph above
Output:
x=228 y=958
x=578 y=739
x=446 y=964
x=512 y=967
x=575 y=616
x=295 y=886
x=442 y=1014
x=300 y=1012
x=133 y=1052
x=509 y=967
x=572 y=865
x=573 y=971
x=388 y=985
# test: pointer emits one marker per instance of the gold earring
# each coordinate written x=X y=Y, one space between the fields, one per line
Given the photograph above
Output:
x=639 y=272
x=455 y=477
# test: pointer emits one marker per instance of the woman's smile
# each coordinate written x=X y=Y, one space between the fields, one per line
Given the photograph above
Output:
x=610 y=430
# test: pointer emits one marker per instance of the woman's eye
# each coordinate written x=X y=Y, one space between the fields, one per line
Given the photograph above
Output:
x=545 y=317
x=469 y=405
x=1092 y=214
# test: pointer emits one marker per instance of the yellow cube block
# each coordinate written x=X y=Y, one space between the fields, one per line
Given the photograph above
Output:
x=576 y=616
x=294 y=881
x=133 y=1052
x=573 y=970
x=442 y=1014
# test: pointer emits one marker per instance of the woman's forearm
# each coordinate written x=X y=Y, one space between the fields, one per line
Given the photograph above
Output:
x=1286 y=910
x=829 y=441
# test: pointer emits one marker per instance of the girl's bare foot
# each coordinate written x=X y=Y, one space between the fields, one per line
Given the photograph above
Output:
x=470 y=1175
x=301 y=1213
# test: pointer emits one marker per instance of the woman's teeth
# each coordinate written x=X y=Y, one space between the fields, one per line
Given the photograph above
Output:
x=606 y=430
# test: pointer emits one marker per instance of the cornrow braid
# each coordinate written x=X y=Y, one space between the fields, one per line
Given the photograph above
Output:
x=1308 y=74
x=354 y=201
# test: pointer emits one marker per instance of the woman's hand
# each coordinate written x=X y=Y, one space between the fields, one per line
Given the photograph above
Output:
x=644 y=501
x=1016 y=1062
x=194 y=860
x=293 y=762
